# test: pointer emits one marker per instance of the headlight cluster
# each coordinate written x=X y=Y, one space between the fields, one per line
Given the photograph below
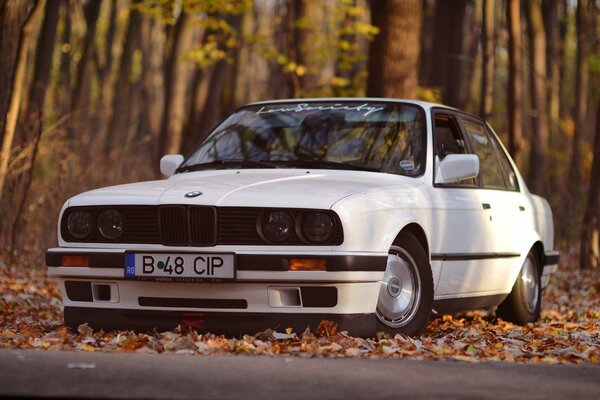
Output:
x=109 y=223
x=277 y=226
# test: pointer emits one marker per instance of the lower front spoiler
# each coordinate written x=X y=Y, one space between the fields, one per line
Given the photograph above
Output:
x=231 y=324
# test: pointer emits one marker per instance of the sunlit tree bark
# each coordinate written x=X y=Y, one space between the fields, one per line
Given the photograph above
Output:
x=581 y=93
x=394 y=54
x=17 y=88
x=175 y=87
x=515 y=88
x=487 y=67
x=12 y=15
x=538 y=161
x=92 y=11
x=590 y=232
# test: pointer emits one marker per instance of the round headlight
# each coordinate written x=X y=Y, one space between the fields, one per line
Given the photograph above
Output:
x=110 y=224
x=317 y=226
x=79 y=224
x=277 y=226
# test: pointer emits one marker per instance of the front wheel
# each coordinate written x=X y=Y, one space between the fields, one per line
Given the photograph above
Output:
x=523 y=303
x=406 y=292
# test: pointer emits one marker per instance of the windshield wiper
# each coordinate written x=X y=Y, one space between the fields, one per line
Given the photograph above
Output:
x=226 y=163
x=326 y=164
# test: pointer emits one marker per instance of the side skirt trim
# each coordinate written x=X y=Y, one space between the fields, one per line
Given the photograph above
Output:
x=471 y=256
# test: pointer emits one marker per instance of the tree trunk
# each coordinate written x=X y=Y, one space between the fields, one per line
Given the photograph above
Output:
x=581 y=94
x=308 y=17
x=550 y=12
x=150 y=94
x=119 y=121
x=487 y=68
x=539 y=107
x=17 y=88
x=12 y=15
x=41 y=73
x=427 y=42
x=590 y=232
x=394 y=54
x=175 y=87
x=515 y=88
x=213 y=104
x=34 y=114
x=64 y=87
x=563 y=26
x=448 y=58
x=92 y=11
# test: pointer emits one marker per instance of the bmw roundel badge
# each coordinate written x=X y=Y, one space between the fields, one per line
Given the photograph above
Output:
x=193 y=194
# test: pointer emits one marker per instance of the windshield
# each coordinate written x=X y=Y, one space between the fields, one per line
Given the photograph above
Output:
x=378 y=136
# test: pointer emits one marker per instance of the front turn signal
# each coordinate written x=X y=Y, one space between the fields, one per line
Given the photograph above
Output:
x=308 y=264
x=70 y=260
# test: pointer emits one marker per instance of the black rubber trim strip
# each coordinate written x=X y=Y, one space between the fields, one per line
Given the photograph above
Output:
x=228 y=323
x=551 y=257
x=245 y=262
x=261 y=262
x=467 y=303
x=233 y=304
x=472 y=256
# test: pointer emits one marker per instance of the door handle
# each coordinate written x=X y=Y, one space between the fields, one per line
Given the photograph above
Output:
x=486 y=206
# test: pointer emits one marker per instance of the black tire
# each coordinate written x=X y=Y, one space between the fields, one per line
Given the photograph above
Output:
x=407 y=267
x=523 y=304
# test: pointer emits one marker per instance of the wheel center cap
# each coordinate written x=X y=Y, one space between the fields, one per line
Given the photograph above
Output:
x=394 y=286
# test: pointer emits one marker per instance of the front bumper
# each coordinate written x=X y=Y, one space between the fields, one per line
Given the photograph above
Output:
x=264 y=295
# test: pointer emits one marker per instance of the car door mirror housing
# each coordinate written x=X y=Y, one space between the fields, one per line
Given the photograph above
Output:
x=456 y=167
x=169 y=163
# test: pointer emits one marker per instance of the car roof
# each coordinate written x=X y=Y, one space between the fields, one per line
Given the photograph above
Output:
x=424 y=104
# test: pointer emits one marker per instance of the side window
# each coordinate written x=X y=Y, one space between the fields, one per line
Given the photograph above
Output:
x=490 y=169
x=509 y=174
x=447 y=139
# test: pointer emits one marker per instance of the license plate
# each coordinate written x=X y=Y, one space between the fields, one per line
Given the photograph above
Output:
x=179 y=267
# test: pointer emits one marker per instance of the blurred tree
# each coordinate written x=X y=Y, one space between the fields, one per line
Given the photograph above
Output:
x=34 y=113
x=581 y=95
x=123 y=91
x=487 y=73
x=538 y=164
x=394 y=54
x=550 y=10
x=212 y=109
x=515 y=88
x=590 y=232
x=17 y=86
x=175 y=89
x=12 y=15
x=91 y=11
x=447 y=70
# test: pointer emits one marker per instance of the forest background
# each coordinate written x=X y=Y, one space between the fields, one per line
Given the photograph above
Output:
x=92 y=93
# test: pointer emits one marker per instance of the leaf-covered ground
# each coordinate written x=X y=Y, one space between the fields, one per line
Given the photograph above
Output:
x=568 y=332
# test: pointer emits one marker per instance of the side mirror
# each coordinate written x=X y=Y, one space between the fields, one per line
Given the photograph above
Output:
x=169 y=163
x=456 y=167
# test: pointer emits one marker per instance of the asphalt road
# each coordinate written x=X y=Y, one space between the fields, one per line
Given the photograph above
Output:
x=27 y=373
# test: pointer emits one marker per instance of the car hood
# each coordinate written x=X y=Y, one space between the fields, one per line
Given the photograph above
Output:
x=294 y=188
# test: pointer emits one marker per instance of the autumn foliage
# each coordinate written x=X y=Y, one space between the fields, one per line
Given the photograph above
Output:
x=568 y=331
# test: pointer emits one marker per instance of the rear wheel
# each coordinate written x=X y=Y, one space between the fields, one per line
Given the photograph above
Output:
x=524 y=301
x=406 y=292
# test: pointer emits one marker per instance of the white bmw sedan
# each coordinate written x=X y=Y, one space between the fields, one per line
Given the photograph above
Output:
x=373 y=213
